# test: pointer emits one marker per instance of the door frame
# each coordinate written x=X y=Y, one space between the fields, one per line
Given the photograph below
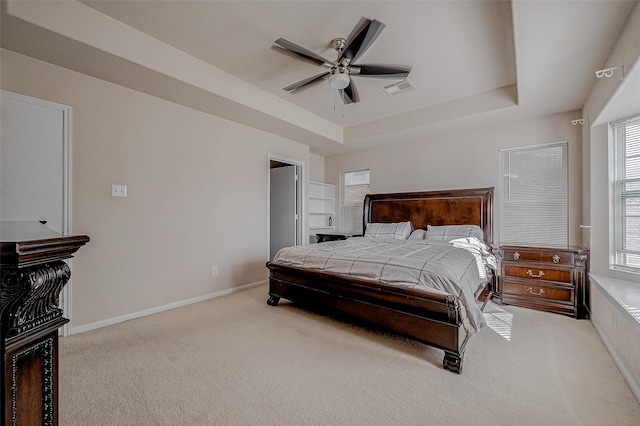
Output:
x=67 y=129
x=300 y=200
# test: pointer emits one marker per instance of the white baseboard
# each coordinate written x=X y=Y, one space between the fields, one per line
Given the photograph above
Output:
x=150 y=311
x=635 y=389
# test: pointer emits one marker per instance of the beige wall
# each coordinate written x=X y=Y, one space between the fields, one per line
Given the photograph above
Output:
x=619 y=331
x=197 y=183
x=316 y=168
x=197 y=193
x=602 y=100
x=466 y=159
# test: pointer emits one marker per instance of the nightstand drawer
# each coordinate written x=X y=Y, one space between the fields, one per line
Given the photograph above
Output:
x=532 y=273
x=551 y=256
x=533 y=291
x=545 y=278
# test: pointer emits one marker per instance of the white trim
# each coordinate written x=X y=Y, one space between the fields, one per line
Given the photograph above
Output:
x=67 y=137
x=67 y=185
x=614 y=291
x=150 y=311
x=635 y=389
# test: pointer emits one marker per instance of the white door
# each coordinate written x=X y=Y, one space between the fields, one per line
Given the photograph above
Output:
x=32 y=160
x=283 y=217
x=35 y=167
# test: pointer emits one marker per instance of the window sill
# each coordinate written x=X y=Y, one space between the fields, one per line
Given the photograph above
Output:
x=625 y=294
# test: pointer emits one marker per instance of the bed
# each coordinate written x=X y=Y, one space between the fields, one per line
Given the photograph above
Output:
x=441 y=317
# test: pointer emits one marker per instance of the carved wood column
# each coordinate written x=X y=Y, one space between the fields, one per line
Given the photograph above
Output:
x=33 y=274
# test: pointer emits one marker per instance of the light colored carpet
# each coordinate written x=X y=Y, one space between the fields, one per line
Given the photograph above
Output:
x=236 y=361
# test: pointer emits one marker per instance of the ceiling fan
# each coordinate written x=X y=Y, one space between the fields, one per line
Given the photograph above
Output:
x=340 y=71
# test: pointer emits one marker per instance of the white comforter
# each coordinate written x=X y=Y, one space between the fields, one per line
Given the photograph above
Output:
x=433 y=265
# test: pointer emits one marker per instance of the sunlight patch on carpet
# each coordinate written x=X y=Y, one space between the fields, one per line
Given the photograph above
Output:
x=498 y=320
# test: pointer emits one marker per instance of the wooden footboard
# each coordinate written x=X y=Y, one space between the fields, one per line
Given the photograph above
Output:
x=427 y=317
x=430 y=318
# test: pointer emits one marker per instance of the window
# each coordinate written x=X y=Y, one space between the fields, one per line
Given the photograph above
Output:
x=355 y=186
x=625 y=194
x=534 y=195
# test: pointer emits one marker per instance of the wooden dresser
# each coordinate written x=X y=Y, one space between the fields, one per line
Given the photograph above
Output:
x=33 y=274
x=549 y=279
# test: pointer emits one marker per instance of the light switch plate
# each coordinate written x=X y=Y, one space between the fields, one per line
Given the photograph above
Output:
x=118 y=190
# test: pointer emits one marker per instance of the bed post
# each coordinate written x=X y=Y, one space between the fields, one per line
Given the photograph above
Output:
x=366 y=213
x=452 y=362
x=452 y=309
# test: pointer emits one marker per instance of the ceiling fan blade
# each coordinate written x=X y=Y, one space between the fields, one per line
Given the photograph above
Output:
x=349 y=94
x=307 y=82
x=362 y=38
x=380 y=71
x=300 y=52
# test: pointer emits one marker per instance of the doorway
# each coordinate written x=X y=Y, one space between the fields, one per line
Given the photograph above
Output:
x=285 y=204
x=36 y=160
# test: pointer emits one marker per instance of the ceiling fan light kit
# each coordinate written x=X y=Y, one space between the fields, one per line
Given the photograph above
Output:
x=339 y=80
x=344 y=67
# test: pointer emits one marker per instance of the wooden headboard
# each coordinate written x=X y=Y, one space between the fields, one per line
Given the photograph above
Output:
x=447 y=207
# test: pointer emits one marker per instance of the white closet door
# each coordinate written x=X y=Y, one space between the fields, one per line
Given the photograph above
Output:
x=32 y=169
x=35 y=141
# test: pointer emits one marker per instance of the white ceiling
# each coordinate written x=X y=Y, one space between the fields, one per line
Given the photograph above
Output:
x=456 y=49
x=473 y=61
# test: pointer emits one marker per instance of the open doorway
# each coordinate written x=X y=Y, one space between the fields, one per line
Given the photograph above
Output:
x=285 y=204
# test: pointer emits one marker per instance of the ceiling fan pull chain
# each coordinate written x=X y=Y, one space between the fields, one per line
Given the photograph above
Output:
x=335 y=102
x=334 y=99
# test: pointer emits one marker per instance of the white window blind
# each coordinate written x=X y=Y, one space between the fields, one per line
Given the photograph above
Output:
x=533 y=209
x=625 y=173
x=355 y=186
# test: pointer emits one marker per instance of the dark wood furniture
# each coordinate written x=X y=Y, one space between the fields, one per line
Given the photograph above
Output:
x=549 y=279
x=324 y=237
x=426 y=317
x=33 y=274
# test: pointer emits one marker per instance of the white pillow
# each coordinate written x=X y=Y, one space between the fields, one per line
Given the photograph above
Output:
x=418 y=234
x=396 y=231
x=452 y=232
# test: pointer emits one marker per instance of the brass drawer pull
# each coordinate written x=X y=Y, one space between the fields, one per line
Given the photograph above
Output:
x=540 y=292
x=516 y=256
x=556 y=258
x=530 y=273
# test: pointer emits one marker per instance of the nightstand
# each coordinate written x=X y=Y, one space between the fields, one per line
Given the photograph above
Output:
x=331 y=237
x=548 y=279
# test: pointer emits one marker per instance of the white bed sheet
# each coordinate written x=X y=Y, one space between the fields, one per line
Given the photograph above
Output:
x=419 y=264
